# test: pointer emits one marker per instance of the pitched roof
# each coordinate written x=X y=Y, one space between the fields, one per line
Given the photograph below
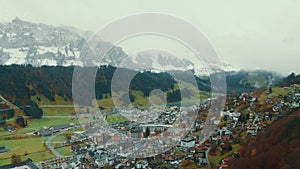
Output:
x=45 y=132
x=62 y=126
x=188 y=139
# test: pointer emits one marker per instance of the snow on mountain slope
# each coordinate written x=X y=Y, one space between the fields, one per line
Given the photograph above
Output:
x=158 y=61
x=23 y=42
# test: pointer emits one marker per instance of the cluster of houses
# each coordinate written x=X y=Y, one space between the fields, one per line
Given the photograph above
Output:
x=254 y=123
x=117 y=151
x=122 y=153
x=63 y=163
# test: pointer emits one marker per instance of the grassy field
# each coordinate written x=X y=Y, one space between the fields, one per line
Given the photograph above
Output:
x=115 y=119
x=65 y=151
x=62 y=137
x=143 y=101
x=5 y=161
x=58 y=111
x=191 y=166
x=39 y=156
x=47 y=122
x=140 y=99
x=54 y=111
x=275 y=92
x=109 y=102
x=58 y=100
x=106 y=103
x=179 y=152
x=56 y=142
x=3 y=132
x=36 y=124
x=21 y=143
x=216 y=159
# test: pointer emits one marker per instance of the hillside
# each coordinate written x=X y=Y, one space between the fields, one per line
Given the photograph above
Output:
x=21 y=81
x=291 y=80
x=243 y=81
x=277 y=147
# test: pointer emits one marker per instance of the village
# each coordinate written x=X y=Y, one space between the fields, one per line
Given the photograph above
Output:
x=127 y=144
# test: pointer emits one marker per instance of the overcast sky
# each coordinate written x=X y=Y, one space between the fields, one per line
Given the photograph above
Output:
x=253 y=34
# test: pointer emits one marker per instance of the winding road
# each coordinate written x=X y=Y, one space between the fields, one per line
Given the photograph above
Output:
x=206 y=155
x=51 y=148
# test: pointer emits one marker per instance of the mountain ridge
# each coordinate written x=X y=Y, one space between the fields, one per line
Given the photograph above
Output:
x=38 y=44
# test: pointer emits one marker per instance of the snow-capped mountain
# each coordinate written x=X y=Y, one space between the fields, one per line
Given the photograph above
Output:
x=158 y=61
x=23 y=42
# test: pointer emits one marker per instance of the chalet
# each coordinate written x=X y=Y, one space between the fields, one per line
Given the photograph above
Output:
x=188 y=142
x=202 y=162
x=228 y=133
x=61 y=127
x=231 y=114
x=142 y=164
x=294 y=105
x=224 y=166
x=252 y=130
x=215 y=121
x=75 y=148
x=44 y=133
x=3 y=149
x=174 y=164
x=110 y=160
x=9 y=128
x=225 y=160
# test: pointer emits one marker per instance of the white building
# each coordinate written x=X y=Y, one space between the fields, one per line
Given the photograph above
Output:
x=188 y=142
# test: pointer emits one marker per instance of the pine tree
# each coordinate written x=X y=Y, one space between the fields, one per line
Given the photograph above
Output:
x=147 y=134
x=270 y=90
